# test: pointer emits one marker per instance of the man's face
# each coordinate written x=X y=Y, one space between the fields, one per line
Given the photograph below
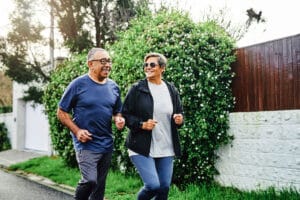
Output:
x=100 y=65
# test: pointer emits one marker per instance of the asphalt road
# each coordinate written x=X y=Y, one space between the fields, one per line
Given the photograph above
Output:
x=13 y=187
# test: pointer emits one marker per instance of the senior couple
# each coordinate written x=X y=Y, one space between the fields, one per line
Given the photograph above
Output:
x=151 y=110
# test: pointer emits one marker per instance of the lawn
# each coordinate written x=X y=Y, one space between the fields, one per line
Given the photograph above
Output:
x=121 y=187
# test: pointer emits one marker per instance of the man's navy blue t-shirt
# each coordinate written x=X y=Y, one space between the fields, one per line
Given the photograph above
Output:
x=92 y=106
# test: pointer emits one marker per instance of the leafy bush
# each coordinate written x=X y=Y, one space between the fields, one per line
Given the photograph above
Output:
x=4 y=141
x=5 y=109
x=199 y=58
x=60 y=78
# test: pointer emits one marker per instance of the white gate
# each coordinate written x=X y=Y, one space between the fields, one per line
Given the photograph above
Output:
x=36 y=128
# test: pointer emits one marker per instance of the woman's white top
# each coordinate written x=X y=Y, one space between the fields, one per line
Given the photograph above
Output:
x=161 y=142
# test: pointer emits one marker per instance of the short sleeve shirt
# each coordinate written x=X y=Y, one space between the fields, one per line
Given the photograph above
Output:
x=92 y=106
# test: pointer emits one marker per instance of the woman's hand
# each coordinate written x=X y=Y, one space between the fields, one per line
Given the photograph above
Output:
x=149 y=124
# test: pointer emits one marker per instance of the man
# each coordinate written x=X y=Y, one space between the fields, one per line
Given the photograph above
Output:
x=94 y=101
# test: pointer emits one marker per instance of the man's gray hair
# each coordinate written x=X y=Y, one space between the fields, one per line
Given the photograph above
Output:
x=92 y=52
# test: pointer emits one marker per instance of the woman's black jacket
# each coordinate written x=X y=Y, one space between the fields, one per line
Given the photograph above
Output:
x=138 y=108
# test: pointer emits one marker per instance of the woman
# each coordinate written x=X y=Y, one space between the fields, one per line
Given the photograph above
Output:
x=152 y=110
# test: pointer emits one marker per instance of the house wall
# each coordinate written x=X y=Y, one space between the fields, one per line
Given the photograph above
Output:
x=30 y=125
x=265 y=151
x=18 y=135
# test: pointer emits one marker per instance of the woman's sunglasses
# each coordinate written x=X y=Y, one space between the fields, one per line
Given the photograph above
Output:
x=152 y=64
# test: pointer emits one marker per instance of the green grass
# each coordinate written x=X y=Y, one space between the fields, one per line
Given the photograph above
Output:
x=50 y=167
x=121 y=187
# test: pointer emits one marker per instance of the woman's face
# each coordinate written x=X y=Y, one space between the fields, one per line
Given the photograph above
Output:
x=152 y=69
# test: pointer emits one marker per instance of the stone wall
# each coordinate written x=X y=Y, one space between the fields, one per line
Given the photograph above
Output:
x=264 y=153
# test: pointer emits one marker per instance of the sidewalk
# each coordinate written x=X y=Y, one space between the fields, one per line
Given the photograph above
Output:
x=10 y=157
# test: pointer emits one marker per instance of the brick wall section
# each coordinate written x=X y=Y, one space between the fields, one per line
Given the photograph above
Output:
x=264 y=153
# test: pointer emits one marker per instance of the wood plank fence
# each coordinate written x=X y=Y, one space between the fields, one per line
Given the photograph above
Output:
x=268 y=76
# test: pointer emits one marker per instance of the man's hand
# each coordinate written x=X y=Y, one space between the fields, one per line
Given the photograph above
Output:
x=83 y=135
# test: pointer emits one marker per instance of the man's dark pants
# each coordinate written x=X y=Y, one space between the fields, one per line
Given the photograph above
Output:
x=94 y=169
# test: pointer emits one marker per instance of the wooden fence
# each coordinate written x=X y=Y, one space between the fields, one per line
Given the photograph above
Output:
x=268 y=76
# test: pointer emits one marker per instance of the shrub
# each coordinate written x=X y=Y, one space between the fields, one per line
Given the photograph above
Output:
x=199 y=58
x=4 y=141
x=5 y=109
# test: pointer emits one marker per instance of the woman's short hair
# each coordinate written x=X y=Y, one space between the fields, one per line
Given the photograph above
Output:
x=162 y=60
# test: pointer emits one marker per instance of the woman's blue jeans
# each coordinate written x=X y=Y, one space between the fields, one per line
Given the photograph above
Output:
x=156 y=173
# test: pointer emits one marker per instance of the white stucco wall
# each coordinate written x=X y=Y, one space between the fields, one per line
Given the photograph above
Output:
x=18 y=135
x=264 y=153
x=30 y=124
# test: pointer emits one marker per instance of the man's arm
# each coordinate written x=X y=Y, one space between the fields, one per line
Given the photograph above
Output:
x=81 y=134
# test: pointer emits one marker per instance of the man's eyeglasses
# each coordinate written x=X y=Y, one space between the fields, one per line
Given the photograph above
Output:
x=103 y=61
x=152 y=64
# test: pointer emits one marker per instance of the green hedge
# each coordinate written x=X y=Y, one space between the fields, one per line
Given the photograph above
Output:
x=199 y=58
x=4 y=141
x=5 y=109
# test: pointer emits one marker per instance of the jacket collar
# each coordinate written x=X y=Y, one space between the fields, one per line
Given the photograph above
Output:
x=143 y=86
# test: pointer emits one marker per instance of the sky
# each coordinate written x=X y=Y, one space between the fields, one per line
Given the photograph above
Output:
x=6 y=6
x=281 y=16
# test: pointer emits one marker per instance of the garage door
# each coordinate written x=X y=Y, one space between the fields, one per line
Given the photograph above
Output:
x=37 y=128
